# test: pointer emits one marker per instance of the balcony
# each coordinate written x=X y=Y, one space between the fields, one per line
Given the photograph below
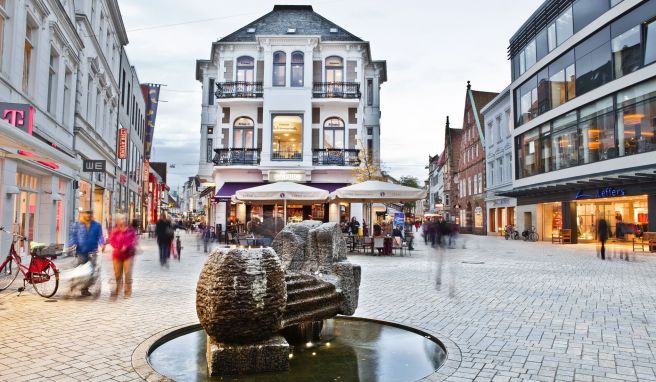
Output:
x=347 y=90
x=286 y=155
x=239 y=89
x=336 y=157
x=236 y=157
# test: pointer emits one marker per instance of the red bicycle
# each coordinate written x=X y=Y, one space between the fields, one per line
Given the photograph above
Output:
x=41 y=272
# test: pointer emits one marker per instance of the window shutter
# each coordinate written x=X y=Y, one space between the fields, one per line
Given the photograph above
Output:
x=260 y=115
x=316 y=115
x=228 y=70
x=315 y=139
x=224 y=139
x=352 y=138
x=259 y=139
x=260 y=71
x=226 y=115
x=316 y=71
x=352 y=111
x=350 y=70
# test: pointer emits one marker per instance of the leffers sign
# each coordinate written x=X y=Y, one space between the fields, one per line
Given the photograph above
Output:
x=122 y=143
x=608 y=192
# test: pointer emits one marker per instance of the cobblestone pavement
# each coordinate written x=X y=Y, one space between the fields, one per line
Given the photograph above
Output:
x=514 y=310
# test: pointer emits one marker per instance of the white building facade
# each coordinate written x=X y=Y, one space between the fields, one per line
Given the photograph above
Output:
x=59 y=92
x=584 y=126
x=289 y=97
x=498 y=162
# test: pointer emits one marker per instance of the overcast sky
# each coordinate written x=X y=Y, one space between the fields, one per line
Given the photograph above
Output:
x=432 y=48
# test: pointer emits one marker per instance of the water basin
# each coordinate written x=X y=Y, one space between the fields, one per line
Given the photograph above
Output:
x=351 y=349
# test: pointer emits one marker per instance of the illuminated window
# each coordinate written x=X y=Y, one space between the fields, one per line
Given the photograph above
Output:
x=287 y=137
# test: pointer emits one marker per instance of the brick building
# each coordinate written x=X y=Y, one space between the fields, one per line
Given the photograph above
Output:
x=470 y=207
x=451 y=156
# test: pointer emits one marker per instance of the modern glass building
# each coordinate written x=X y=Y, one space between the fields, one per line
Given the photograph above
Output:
x=584 y=118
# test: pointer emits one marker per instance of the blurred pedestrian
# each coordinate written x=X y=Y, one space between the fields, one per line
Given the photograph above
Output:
x=206 y=234
x=164 y=232
x=424 y=231
x=86 y=234
x=355 y=226
x=602 y=235
x=123 y=239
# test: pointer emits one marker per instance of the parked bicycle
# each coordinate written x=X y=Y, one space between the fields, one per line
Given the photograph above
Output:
x=530 y=234
x=41 y=271
x=511 y=233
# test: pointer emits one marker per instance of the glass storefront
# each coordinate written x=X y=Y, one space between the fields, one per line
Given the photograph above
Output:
x=85 y=196
x=25 y=207
x=626 y=217
x=552 y=220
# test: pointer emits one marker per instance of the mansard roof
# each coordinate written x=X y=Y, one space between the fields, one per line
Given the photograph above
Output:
x=302 y=18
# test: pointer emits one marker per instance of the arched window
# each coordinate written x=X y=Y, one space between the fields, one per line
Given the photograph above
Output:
x=245 y=69
x=297 y=69
x=333 y=134
x=279 y=68
x=243 y=133
x=334 y=69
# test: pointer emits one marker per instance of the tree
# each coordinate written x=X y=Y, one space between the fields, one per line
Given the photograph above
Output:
x=409 y=181
x=369 y=168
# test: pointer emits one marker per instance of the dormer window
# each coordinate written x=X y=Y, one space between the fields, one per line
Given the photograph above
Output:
x=333 y=30
x=250 y=30
x=291 y=30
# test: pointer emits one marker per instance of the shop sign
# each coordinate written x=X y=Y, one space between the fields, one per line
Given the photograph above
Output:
x=92 y=165
x=286 y=176
x=20 y=115
x=399 y=219
x=122 y=143
x=122 y=179
x=146 y=169
x=608 y=192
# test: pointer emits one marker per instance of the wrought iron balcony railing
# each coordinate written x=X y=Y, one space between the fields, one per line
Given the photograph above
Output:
x=287 y=155
x=336 y=90
x=239 y=89
x=234 y=157
x=336 y=157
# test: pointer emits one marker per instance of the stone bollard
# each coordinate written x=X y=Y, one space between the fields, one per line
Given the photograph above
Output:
x=240 y=300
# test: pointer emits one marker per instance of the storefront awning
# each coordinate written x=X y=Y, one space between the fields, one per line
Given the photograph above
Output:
x=230 y=188
x=13 y=138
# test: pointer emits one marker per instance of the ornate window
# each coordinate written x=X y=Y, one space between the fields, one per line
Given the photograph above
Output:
x=279 y=68
x=243 y=133
x=297 y=69
x=333 y=133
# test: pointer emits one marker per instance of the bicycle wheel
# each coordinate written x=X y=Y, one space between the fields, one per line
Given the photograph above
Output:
x=534 y=236
x=8 y=273
x=515 y=235
x=46 y=282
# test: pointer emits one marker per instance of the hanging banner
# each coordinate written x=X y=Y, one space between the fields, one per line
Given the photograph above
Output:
x=399 y=220
x=151 y=95
x=122 y=143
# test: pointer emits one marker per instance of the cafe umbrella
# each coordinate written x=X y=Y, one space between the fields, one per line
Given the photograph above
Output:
x=374 y=191
x=281 y=192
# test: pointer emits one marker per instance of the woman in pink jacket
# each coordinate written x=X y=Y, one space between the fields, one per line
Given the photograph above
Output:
x=123 y=239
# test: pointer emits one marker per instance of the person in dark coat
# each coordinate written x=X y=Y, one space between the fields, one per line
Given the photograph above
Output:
x=355 y=225
x=164 y=232
x=602 y=235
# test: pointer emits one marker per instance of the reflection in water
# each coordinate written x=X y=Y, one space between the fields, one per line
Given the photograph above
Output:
x=350 y=350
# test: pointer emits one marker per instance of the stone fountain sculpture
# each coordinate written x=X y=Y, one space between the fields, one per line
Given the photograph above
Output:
x=252 y=301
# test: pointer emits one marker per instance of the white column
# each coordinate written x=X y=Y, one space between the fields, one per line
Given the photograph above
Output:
x=333 y=212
